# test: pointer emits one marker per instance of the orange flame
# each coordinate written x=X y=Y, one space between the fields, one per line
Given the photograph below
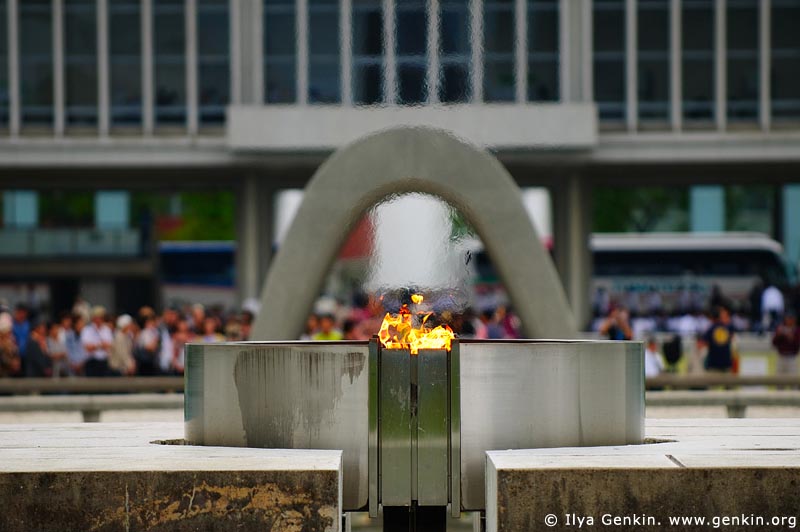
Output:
x=398 y=331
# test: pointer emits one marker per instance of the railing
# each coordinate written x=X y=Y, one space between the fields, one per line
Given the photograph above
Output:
x=706 y=380
x=91 y=385
x=70 y=242
x=735 y=401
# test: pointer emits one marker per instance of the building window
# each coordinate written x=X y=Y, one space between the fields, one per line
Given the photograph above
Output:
x=80 y=62
x=543 y=26
x=653 y=57
x=498 y=43
x=742 y=54
x=170 y=61
x=125 y=62
x=213 y=69
x=609 y=58
x=4 y=103
x=697 y=17
x=125 y=49
x=280 y=51
x=36 y=61
x=785 y=81
x=324 y=77
x=368 y=55
x=412 y=45
x=455 y=51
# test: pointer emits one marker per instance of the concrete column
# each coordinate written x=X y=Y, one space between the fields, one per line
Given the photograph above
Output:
x=254 y=206
x=575 y=42
x=707 y=208
x=571 y=232
x=791 y=222
x=246 y=48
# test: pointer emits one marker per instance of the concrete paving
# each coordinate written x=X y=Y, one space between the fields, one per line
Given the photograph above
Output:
x=111 y=476
x=710 y=469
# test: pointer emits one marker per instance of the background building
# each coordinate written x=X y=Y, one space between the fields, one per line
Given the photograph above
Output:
x=116 y=99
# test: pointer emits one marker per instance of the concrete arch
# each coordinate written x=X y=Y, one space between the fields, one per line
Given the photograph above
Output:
x=403 y=160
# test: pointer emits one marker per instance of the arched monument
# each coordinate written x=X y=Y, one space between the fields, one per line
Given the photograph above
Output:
x=404 y=160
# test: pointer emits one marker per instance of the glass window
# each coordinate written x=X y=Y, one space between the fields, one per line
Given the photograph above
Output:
x=609 y=58
x=456 y=53
x=36 y=61
x=213 y=68
x=543 y=34
x=125 y=49
x=785 y=81
x=4 y=104
x=697 y=17
x=498 y=55
x=367 y=52
x=280 y=51
x=742 y=55
x=170 y=61
x=653 y=58
x=324 y=79
x=80 y=62
x=412 y=63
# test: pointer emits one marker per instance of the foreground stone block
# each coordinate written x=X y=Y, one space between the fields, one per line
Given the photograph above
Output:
x=734 y=474
x=110 y=477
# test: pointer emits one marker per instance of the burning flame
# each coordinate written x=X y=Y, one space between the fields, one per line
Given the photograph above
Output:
x=398 y=331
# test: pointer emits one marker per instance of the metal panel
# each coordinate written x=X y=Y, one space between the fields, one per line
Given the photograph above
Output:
x=476 y=49
x=389 y=52
x=103 y=75
x=455 y=429
x=764 y=63
x=432 y=428
x=284 y=395
x=720 y=66
x=148 y=99
x=521 y=50
x=518 y=395
x=58 y=68
x=675 y=66
x=190 y=47
x=346 y=38
x=14 y=103
x=631 y=66
x=374 y=456
x=395 y=427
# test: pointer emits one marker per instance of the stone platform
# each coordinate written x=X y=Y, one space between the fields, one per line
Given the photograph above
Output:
x=740 y=469
x=110 y=477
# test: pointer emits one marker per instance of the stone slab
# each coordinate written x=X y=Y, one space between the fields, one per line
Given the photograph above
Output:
x=87 y=477
x=741 y=469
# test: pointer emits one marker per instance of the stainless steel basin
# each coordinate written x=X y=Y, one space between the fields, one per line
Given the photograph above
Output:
x=415 y=429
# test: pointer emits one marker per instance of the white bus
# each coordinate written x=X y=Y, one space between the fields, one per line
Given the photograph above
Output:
x=683 y=268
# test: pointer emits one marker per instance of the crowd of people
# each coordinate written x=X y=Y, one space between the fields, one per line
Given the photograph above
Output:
x=713 y=331
x=89 y=341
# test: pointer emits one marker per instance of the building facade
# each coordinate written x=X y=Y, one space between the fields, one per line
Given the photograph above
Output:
x=118 y=95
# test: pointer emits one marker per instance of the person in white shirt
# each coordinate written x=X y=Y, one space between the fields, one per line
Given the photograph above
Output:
x=96 y=339
x=653 y=364
x=772 y=307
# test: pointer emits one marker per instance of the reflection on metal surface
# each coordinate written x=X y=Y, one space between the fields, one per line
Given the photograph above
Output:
x=432 y=429
x=415 y=428
x=518 y=395
x=284 y=395
x=395 y=428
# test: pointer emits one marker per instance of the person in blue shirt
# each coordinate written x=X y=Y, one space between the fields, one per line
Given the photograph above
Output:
x=719 y=340
x=22 y=327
